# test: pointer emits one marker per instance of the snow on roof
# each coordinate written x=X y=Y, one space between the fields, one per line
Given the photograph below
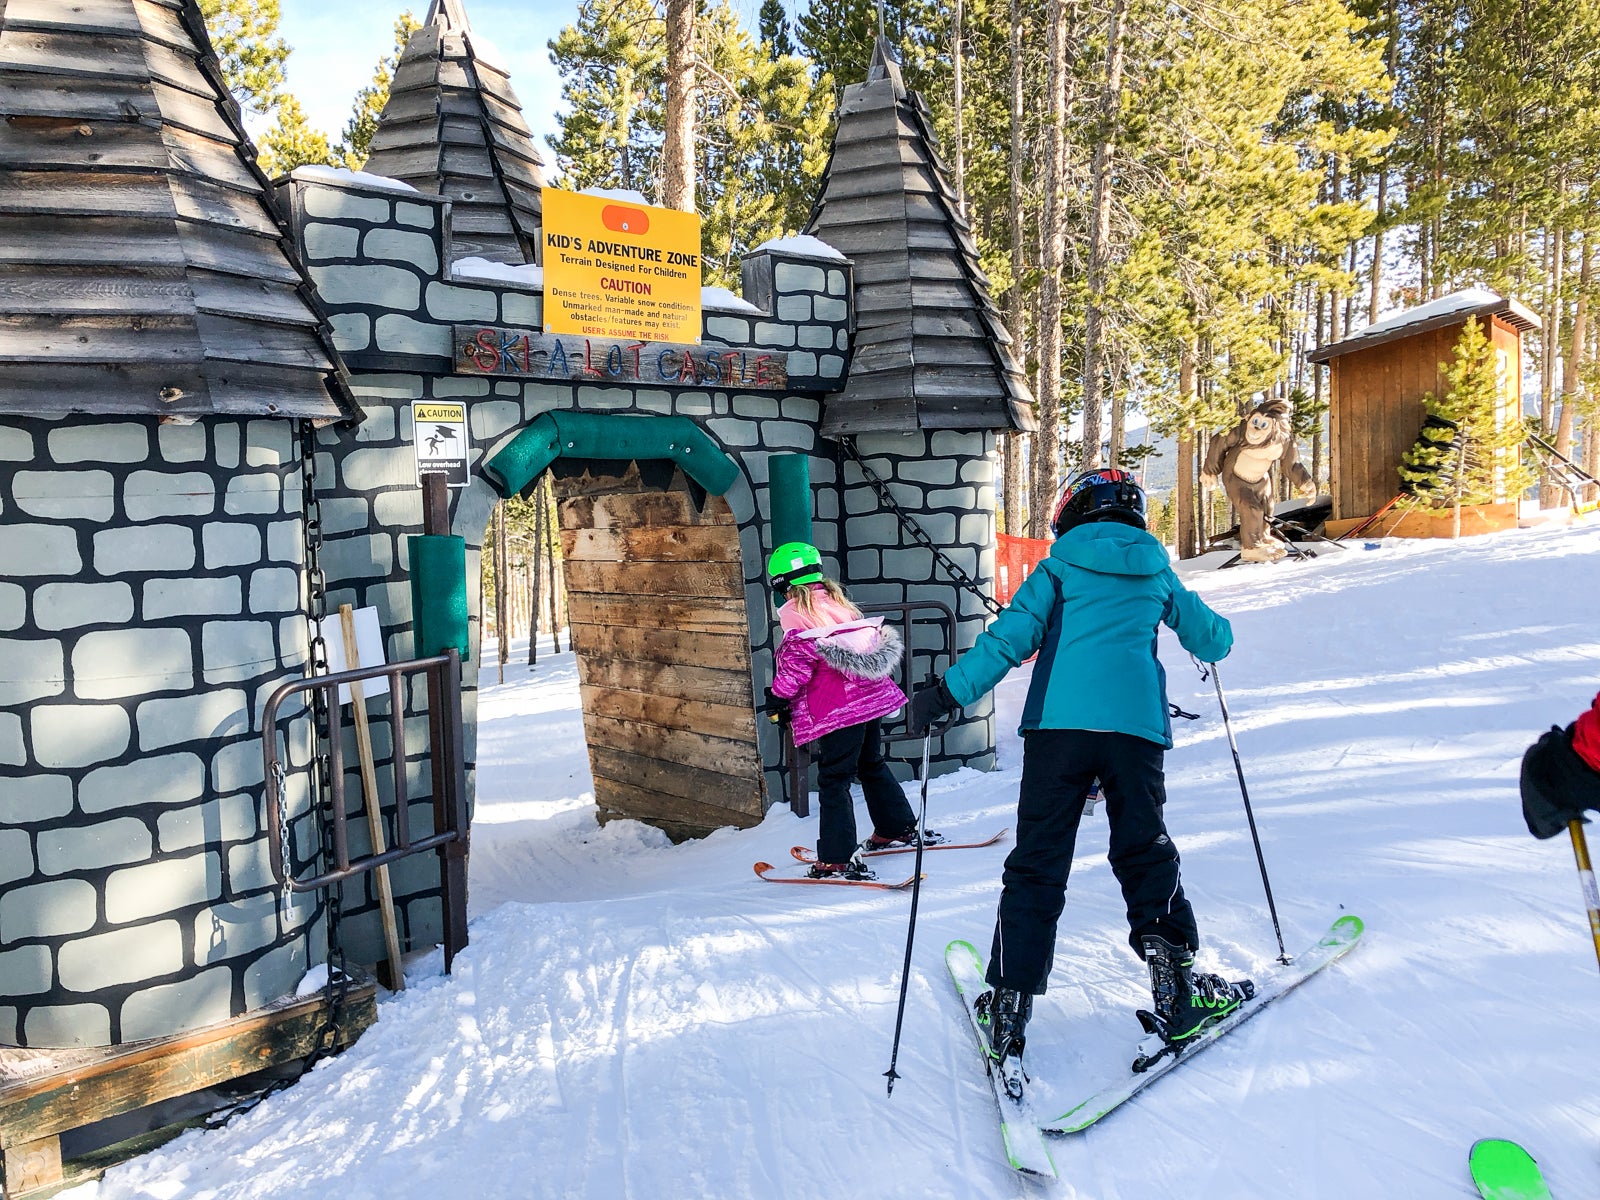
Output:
x=625 y=194
x=522 y=274
x=343 y=175
x=725 y=301
x=803 y=244
x=1462 y=301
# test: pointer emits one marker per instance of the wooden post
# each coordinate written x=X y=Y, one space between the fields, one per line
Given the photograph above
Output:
x=391 y=973
x=551 y=522
x=452 y=855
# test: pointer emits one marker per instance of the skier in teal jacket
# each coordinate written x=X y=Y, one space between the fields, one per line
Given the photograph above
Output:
x=1096 y=709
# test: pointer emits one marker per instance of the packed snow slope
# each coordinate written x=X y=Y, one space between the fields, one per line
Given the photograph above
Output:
x=641 y=1020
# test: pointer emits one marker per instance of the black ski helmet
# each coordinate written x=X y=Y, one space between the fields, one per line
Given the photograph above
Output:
x=1104 y=494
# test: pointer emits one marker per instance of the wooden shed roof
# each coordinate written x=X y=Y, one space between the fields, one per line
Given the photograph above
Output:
x=1455 y=309
x=931 y=351
x=143 y=269
x=454 y=126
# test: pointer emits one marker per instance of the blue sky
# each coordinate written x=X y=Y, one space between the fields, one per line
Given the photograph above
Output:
x=336 y=44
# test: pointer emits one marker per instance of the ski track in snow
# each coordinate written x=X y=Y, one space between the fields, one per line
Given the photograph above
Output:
x=640 y=1020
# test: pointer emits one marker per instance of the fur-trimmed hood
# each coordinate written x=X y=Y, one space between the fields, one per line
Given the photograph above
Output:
x=867 y=648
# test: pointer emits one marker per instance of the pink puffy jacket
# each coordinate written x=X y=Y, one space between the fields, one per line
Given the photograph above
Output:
x=838 y=676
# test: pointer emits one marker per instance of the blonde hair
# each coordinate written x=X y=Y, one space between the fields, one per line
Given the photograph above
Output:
x=804 y=600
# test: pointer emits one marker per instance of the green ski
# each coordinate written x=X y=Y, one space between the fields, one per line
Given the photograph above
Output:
x=1505 y=1171
x=1019 y=1126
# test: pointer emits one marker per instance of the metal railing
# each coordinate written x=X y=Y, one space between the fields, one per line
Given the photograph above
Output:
x=797 y=759
x=448 y=770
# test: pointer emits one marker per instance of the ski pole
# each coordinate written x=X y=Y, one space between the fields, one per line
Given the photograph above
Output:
x=1591 y=895
x=1238 y=767
x=911 y=927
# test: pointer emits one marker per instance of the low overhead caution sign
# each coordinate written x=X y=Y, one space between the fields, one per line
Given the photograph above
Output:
x=439 y=429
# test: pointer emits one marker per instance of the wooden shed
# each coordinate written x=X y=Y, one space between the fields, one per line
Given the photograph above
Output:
x=1379 y=377
x=454 y=127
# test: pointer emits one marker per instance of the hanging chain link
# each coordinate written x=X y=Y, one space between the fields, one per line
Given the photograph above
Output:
x=918 y=534
x=321 y=784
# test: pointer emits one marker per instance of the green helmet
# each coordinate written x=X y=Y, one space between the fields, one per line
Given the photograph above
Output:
x=794 y=563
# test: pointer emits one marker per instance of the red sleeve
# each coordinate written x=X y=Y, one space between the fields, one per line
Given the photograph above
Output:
x=1586 y=735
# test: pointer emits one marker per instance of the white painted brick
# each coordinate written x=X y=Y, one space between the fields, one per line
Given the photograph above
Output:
x=792 y=277
x=400 y=334
x=373 y=284
x=321 y=240
x=65 y=495
x=450 y=302
x=236 y=928
x=166 y=548
x=192 y=1003
x=123 y=442
x=218 y=595
x=39 y=550
x=41 y=910
x=235 y=651
x=16 y=855
x=258 y=494
x=16 y=445
x=90 y=847
x=117 y=663
x=68 y=1025
x=182 y=443
x=230 y=544
x=351 y=330
x=157 y=779
x=33 y=798
x=323 y=201
x=419 y=216
x=121 y=956
x=522 y=311
x=149 y=890
x=828 y=309
x=399 y=246
x=150 y=495
x=13 y=605
x=31 y=669
x=275 y=973
x=12 y=751
x=171 y=722
x=450 y=388
x=26 y=970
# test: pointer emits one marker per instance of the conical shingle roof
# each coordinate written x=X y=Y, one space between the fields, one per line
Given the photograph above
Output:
x=930 y=351
x=143 y=268
x=454 y=126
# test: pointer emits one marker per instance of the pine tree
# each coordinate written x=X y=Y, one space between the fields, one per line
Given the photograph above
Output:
x=244 y=34
x=293 y=142
x=354 y=144
x=774 y=22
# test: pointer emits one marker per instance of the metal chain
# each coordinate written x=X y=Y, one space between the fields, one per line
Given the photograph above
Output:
x=919 y=534
x=317 y=664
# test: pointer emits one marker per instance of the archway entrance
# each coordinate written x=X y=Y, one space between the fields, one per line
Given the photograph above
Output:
x=656 y=608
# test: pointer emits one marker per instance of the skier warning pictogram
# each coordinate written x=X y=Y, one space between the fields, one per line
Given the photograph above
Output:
x=440 y=434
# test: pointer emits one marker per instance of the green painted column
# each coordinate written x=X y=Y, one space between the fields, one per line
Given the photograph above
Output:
x=789 y=491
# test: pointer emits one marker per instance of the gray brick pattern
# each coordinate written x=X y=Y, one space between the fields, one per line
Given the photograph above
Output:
x=131 y=670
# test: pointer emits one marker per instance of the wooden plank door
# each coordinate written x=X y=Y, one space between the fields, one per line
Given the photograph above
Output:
x=657 y=608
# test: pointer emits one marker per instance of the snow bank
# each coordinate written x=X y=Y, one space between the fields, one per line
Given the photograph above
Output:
x=525 y=275
x=803 y=244
x=723 y=300
x=348 y=178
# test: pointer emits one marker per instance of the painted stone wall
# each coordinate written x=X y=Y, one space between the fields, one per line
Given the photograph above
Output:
x=151 y=600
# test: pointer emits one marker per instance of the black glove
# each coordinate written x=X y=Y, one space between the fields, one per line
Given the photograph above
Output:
x=1557 y=785
x=929 y=703
x=777 y=706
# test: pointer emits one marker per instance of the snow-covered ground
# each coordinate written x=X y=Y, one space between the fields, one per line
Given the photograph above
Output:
x=641 y=1020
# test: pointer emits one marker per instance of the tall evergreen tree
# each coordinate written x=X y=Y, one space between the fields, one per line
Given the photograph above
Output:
x=774 y=22
x=244 y=34
x=354 y=145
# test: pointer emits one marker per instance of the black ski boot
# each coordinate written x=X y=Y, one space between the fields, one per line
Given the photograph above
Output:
x=1004 y=1013
x=1185 y=1002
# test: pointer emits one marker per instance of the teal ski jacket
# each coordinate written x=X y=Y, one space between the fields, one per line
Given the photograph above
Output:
x=1091 y=610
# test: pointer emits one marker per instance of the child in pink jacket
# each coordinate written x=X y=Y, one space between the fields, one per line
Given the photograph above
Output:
x=834 y=666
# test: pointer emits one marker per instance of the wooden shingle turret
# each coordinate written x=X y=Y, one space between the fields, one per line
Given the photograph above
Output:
x=930 y=349
x=454 y=126
x=143 y=269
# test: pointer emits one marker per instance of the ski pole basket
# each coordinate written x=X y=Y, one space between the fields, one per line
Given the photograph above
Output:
x=797 y=759
x=442 y=674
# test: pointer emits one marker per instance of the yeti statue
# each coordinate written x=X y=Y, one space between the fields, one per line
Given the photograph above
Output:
x=1242 y=458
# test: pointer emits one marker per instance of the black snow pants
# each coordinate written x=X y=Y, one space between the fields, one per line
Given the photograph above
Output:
x=856 y=752
x=1058 y=767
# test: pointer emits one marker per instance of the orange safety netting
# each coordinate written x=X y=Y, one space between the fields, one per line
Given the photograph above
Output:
x=1014 y=558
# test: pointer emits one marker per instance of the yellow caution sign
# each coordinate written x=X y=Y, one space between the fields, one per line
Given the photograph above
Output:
x=617 y=269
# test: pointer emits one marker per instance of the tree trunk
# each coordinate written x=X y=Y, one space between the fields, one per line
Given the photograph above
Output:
x=501 y=592
x=1572 y=368
x=1047 y=441
x=547 y=495
x=538 y=566
x=1100 y=235
x=677 y=147
x=1184 y=494
x=1016 y=310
